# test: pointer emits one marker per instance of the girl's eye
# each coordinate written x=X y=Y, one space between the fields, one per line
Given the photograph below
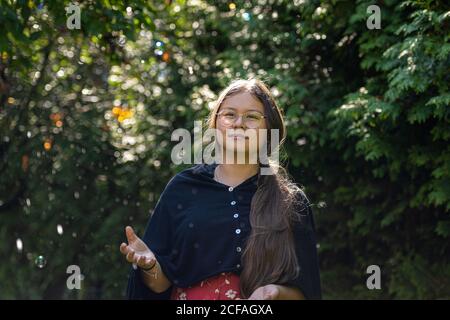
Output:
x=253 y=116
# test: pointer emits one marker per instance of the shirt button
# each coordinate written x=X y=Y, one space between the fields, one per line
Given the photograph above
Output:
x=230 y=189
x=233 y=203
x=235 y=215
x=238 y=266
x=238 y=231
x=238 y=249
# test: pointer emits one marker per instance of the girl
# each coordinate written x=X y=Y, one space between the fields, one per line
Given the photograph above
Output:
x=224 y=230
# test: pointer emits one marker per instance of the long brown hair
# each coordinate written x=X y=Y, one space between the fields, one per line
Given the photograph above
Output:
x=269 y=254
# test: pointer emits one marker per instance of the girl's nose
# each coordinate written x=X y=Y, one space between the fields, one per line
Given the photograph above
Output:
x=239 y=121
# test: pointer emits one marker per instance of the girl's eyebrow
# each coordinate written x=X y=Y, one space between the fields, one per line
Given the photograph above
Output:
x=234 y=108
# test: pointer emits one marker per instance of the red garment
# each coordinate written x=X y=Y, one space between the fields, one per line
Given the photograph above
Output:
x=224 y=286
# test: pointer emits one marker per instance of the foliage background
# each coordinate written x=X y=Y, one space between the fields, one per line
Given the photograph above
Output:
x=86 y=117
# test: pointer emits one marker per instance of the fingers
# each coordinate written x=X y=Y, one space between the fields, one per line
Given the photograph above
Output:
x=131 y=236
x=268 y=296
x=270 y=293
x=145 y=262
x=130 y=255
x=127 y=250
x=140 y=261
x=264 y=293
x=123 y=248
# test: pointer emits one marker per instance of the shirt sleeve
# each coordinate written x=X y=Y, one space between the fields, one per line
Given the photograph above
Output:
x=157 y=236
x=308 y=279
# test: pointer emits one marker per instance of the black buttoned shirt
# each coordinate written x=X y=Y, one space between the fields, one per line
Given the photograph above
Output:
x=199 y=227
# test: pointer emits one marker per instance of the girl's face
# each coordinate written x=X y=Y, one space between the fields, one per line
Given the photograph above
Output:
x=240 y=119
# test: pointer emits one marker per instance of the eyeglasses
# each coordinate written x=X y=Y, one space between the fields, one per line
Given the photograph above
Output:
x=251 y=119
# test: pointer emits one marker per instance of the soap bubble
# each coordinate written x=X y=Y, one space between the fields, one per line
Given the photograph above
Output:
x=40 y=262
